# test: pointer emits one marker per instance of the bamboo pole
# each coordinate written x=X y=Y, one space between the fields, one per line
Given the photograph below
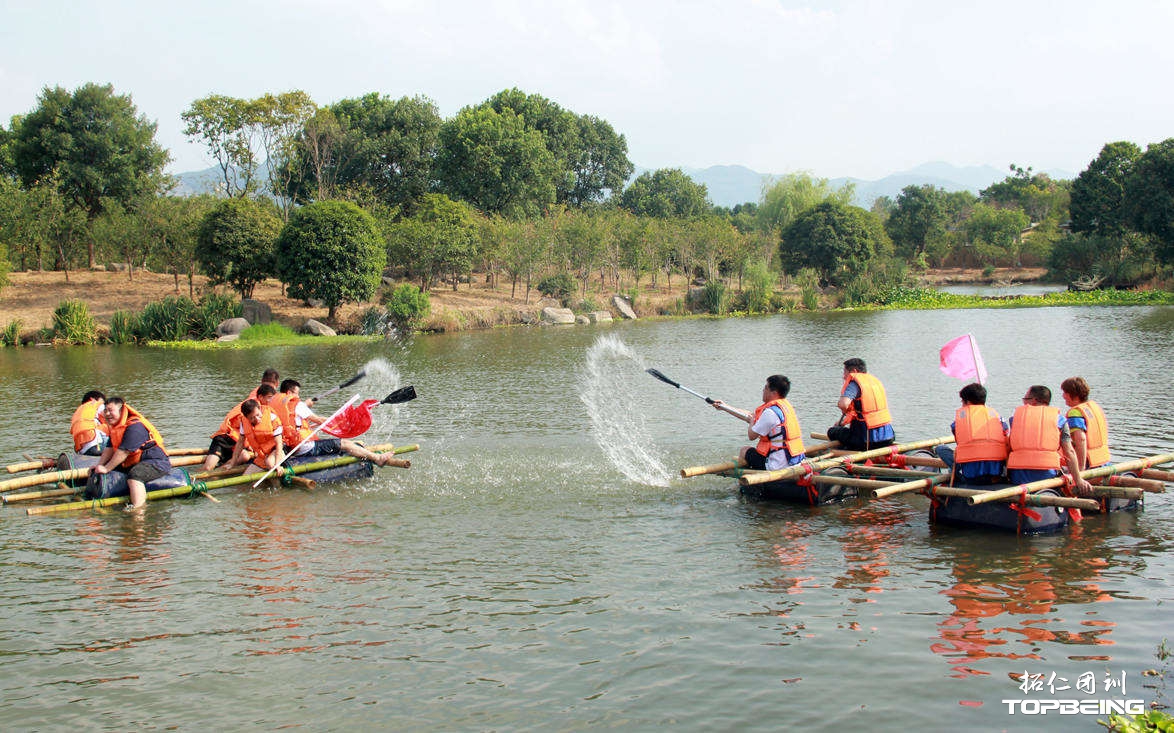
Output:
x=909 y=486
x=1051 y=483
x=886 y=471
x=33 y=465
x=1068 y=502
x=1157 y=474
x=205 y=486
x=33 y=495
x=1150 y=485
x=75 y=474
x=860 y=483
x=712 y=468
x=793 y=472
x=925 y=461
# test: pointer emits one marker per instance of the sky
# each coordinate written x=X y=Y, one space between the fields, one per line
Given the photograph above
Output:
x=837 y=88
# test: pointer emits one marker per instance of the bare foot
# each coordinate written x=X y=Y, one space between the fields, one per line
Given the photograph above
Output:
x=134 y=508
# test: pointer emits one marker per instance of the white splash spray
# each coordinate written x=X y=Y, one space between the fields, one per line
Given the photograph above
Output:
x=612 y=386
x=382 y=379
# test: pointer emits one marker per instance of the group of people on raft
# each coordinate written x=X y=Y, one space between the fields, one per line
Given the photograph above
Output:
x=257 y=432
x=1037 y=443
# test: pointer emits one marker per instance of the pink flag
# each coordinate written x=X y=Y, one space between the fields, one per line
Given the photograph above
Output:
x=961 y=360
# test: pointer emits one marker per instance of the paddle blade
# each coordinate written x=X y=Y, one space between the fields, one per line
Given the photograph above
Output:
x=403 y=394
x=662 y=377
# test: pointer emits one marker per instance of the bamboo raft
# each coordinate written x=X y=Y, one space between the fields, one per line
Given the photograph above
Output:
x=1033 y=508
x=304 y=471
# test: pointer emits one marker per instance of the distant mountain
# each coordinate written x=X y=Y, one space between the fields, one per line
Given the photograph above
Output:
x=730 y=185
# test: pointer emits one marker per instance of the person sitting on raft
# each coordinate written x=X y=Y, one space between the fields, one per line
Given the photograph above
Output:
x=136 y=449
x=270 y=377
x=227 y=436
x=1037 y=438
x=865 y=423
x=298 y=422
x=1086 y=424
x=261 y=432
x=981 y=439
x=774 y=425
x=90 y=434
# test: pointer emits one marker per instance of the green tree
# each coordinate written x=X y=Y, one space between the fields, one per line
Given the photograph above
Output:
x=371 y=142
x=785 y=199
x=917 y=224
x=1098 y=193
x=440 y=237
x=665 y=193
x=225 y=126
x=92 y=145
x=591 y=158
x=1149 y=197
x=496 y=163
x=1036 y=194
x=995 y=234
x=331 y=251
x=279 y=120
x=235 y=244
x=840 y=242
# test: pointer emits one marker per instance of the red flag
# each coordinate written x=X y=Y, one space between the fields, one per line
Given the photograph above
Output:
x=352 y=421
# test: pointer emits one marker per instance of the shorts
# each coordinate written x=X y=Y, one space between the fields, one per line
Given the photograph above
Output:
x=222 y=447
x=146 y=472
x=323 y=447
x=755 y=460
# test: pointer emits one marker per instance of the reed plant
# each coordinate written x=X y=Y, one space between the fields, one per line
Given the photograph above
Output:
x=123 y=327
x=167 y=320
x=10 y=336
x=73 y=324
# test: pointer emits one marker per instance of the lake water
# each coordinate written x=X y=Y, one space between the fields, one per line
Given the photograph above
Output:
x=541 y=567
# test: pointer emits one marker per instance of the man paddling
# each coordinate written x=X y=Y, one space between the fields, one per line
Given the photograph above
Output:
x=136 y=449
x=774 y=425
x=298 y=421
x=865 y=423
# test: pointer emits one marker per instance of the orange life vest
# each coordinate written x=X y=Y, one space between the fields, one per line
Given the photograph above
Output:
x=1096 y=434
x=131 y=415
x=228 y=426
x=261 y=439
x=873 y=404
x=1035 y=438
x=791 y=437
x=292 y=430
x=979 y=436
x=86 y=423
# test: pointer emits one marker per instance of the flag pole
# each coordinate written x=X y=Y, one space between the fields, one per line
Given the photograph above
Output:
x=974 y=357
x=312 y=433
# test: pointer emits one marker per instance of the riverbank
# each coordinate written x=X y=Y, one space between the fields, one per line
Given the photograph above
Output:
x=31 y=297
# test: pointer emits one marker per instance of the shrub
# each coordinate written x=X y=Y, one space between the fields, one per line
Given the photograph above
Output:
x=10 y=336
x=759 y=288
x=373 y=321
x=407 y=307
x=73 y=323
x=808 y=280
x=235 y=244
x=123 y=327
x=167 y=320
x=714 y=298
x=560 y=286
x=214 y=308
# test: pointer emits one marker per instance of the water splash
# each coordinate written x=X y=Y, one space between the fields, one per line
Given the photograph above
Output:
x=612 y=382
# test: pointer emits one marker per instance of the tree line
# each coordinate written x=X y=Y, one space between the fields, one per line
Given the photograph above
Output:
x=518 y=188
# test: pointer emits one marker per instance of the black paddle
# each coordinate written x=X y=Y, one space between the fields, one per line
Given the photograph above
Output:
x=676 y=384
x=362 y=373
x=403 y=394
